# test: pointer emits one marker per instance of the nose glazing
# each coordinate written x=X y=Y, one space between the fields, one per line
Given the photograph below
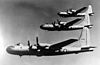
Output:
x=42 y=26
x=58 y=13
x=9 y=49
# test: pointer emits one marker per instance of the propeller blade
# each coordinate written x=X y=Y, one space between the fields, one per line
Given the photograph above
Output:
x=58 y=21
x=29 y=43
x=53 y=23
x=37 y=41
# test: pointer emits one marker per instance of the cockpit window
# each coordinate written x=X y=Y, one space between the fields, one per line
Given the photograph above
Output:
x=18 y=44
x=35 y=44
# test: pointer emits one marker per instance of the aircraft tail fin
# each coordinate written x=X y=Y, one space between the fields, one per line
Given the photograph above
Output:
x=89 y=11
x=84 y=38
x=86 y=22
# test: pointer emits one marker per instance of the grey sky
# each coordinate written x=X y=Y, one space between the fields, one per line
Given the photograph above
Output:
x=20 y=21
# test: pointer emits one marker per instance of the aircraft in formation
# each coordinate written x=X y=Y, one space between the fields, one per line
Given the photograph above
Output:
x=67 y=26
x=61 y=48
x=76 y=13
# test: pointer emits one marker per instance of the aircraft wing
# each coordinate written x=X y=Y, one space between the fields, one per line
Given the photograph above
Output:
x=58 y=46
x=72 y=22
x=80 y=10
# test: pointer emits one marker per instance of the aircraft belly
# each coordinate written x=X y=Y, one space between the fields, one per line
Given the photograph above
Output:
x=49 y=28
x=57 y=52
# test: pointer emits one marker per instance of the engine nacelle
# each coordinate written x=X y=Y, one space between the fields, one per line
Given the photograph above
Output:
x=72 y=10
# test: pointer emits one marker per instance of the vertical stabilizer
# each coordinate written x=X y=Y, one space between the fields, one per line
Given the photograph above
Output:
x=86 y=20
x=85 y=37
x=89 y=9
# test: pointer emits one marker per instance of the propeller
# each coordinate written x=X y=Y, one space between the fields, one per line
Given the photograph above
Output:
x=58 y=21
x=28 y=43
x=69 y=11
x=53 y=23
x=30 y=46
x=72 y=10
x=37 y=42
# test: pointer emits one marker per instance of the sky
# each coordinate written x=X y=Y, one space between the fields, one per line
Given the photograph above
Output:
x=20 y=21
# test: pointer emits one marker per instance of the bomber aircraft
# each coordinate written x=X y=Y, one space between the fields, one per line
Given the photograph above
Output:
x=61 y=48
x=59 y=26
x=68 y=26
x=76 y=13
x=38 y=49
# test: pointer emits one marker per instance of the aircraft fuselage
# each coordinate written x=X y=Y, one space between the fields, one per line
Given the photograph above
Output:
x=46 y=52
x=65 y=14
x=63 y=28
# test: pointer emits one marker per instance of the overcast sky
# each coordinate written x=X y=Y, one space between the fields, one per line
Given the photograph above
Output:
x=20 y=21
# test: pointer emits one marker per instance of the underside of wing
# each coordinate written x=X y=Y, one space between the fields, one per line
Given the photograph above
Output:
x=72 y=22
x=58 y=46
x=80 y=10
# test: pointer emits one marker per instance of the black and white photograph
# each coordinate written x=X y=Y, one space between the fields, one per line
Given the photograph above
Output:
x=49 y=32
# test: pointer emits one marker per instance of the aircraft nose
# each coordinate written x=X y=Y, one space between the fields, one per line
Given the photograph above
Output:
x=9 y=49
x=42 y=26
x=58 y=13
